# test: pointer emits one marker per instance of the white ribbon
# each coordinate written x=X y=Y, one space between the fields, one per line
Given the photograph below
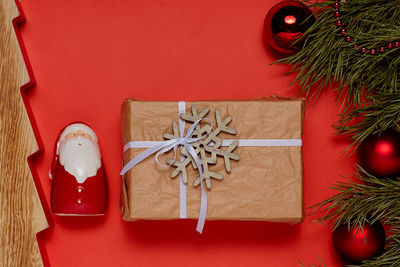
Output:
x=164 y=146
x=182 y=185
x=242 y=142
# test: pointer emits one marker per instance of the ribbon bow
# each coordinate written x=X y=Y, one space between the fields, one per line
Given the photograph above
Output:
x=166 y=146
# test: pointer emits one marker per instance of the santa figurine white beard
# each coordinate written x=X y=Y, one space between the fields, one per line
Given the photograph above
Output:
x=79 y=185
x=80 y=157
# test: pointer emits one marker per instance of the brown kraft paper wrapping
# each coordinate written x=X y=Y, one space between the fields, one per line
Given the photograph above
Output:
x=266 y=184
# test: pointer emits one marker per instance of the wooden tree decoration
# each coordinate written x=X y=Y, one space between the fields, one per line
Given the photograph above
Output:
x=21 y=212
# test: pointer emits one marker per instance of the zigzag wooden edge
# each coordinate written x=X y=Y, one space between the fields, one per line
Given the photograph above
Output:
x=21 y=212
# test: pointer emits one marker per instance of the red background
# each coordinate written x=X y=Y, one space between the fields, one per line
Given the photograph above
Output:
x=88 y=56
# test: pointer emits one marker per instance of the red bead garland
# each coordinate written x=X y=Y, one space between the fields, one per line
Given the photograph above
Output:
x=347 y=38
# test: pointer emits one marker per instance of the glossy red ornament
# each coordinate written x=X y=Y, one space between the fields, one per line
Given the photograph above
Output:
x=79 y=184
x=379 y=155
x=356 y=245
x=286 y=22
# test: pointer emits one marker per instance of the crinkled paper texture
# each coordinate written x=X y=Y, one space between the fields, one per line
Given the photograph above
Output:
x=266 y=184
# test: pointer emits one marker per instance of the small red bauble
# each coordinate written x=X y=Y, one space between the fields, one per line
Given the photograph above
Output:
x=356 y=245
x=286 y=22
x=379 y=155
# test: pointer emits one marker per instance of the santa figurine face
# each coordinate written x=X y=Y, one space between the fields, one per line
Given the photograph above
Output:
x=79 y=185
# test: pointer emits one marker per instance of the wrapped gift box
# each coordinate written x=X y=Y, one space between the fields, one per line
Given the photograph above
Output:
x=266 y=184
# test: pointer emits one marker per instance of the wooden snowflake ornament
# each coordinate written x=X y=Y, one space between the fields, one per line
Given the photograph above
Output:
x=207 y=149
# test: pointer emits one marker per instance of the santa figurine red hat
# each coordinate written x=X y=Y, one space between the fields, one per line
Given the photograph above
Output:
x=79 y=184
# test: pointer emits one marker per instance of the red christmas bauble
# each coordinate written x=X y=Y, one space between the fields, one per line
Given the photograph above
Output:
x=380 y=154
x=356 y=245
x=286 y=22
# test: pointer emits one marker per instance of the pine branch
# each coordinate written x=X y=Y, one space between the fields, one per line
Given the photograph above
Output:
x=357 y=202
x=327 y=61
x=369 y=88
x=381 y=112
x=302 y=265
x=367 y=200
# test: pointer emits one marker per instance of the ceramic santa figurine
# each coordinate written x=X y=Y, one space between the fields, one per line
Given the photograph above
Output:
x=79 y=185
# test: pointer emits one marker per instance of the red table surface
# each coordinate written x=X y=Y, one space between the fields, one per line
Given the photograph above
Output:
x=88 y=56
